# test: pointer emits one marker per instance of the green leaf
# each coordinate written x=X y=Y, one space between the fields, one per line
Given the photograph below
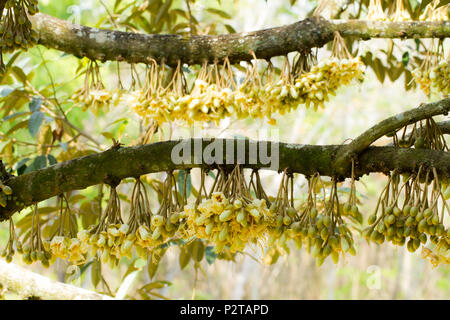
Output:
x=409 y=83
x=95 y=272
x=6 y=90
x=156 y=285
x=20 y=75
x=9 y=64
x=44 y=210
x=380 y=72
x=14 y=101
x=210 y=254
x=35 y=122
x=116 y=4
x=220 y=13
x=51 y=160
x=409 y=8
x=35 y=104
x=158 y=295
x=121 y=129
x=230 y=29
x=131 y=268
x=153 y=262
x=405 y=58
x=395 y=72
x=107 y=135
x=85 y=266
x=15 y=115
x=17 y=126
x=184 y=258
x=38 y=163
x=162 y=11
x=77 y=198
x=197 y=249
x=19 y=164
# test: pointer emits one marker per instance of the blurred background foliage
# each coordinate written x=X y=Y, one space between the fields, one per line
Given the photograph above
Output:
x=376 y=272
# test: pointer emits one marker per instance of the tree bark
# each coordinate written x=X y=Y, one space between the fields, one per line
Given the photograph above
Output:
x=30 y=285
x=100 y=44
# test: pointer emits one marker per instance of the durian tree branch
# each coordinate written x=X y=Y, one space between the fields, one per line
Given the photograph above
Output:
x=385 y=127
x=100 y=44
x=30 y=285
x=122 y=162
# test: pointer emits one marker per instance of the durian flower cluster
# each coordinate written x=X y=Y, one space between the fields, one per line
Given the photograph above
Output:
x=144 y=231
x=205 y=103
x=229 y=216
x=15 y=28
x=210 y=102
x=415 y=222
x=235 y=214
x=312 y=89
x=214 y=95
x=437 y=77
x=94 y=99
x=440 y=77
x=400 y=14
x=224 y=223
x=319 y=226
x=434 y=13
x=72 y=249
x=431 y=12
x=93 y=95
x=375 y=11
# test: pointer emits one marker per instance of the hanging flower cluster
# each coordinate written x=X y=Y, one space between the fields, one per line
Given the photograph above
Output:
x=434 y=72
x=412 y=211
x=318 y=225
x=215 y=95
x=234 y=213
x=431 y=12
x=93 y=95
x=434 y=13
x=228 y=215
x=416 y=219
x=15 y=27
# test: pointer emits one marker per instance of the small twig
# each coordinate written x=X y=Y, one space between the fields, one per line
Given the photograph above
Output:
x=444 y=126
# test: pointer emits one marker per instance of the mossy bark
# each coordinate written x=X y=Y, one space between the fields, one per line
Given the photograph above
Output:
x=100 y=44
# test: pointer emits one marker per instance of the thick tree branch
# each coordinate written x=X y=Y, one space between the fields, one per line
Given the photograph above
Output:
x=387 y=126
x=32 y=285
x=119 y=163
x=134 y=48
